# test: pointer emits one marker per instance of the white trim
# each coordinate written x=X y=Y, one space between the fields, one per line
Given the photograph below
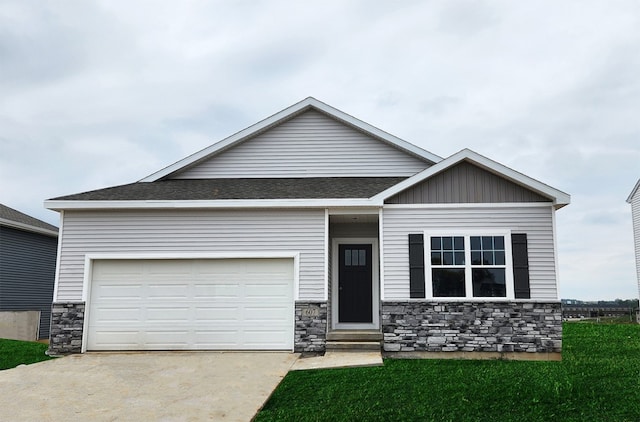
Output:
x=375 y=296
x=306 y=104
x=230 y=203
x=559 y=198
x=90 y=258
x=509 y=286
x=350 y=211
x=326 y=254
x=381 y=248
x=633 y=191
x=471 y=205
x=58 y=257
x=466 y=299
x=555 y=252
x=27 y=227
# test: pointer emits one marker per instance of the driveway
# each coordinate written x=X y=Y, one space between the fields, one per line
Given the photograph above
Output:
x=159 y=386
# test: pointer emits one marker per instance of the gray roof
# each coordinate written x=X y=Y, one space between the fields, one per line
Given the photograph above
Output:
x=212 y=189
x=8 y=215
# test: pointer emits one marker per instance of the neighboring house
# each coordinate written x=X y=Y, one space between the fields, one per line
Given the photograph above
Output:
x=307 y=228
x=634 y=200
x=28 y=250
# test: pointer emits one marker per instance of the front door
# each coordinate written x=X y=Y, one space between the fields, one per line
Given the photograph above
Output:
x=355 y=291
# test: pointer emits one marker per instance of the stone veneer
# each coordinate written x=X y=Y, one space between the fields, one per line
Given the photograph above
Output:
x=67 y=320
x=472 y=326
x=311 y=327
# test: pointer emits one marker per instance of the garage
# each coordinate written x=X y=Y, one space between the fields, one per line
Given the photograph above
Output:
x=191 y=304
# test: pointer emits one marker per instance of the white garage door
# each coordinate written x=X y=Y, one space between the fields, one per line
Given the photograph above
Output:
x=215 y=304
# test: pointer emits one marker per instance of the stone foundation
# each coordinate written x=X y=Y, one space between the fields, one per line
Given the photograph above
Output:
x=67 y=320
x=499 y=327
x=311 y=327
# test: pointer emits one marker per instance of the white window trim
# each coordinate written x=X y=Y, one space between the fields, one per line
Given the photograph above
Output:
x=510 y=290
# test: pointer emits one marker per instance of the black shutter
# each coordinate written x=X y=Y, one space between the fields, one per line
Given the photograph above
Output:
x=416 y=266
x=520 y=266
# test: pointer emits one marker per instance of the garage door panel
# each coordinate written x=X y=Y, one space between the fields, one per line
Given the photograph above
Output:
x=237 y=304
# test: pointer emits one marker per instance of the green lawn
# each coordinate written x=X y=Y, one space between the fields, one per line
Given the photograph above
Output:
x=14 y=353
x=597 y=380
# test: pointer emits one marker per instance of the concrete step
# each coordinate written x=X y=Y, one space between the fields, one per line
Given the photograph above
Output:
x=352 y=346
x=354 y=335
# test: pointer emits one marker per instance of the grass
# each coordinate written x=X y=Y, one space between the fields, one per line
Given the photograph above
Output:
x=597 y=380
x=14 y=353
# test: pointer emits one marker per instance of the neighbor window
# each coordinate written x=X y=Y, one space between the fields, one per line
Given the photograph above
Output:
x=465 y=266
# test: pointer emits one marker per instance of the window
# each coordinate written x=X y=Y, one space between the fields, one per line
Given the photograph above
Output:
x=355 y=257
x=469 y=266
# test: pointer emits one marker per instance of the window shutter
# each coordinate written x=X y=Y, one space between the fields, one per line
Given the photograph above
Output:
x=416 y=266
x=520 y=266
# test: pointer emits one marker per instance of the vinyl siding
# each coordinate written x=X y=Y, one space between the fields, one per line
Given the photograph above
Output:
x=193 y=231
x=536 y=222
x=27 y=272
x=308 y=145
x=465 y=183
x=635 y=213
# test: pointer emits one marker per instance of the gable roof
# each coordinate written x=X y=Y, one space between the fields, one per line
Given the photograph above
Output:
x=557 y=197
x=18 y=220
x=633 y=192
x=282 y=116
x=241 y=189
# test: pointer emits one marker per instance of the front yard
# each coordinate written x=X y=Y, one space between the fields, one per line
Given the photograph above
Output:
x=598 y=380
x=14 y=353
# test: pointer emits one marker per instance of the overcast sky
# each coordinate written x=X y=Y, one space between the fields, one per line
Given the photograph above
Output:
x=95 y=94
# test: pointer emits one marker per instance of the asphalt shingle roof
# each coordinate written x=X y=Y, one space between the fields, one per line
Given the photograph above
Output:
x=212 y=189
x=9 y=214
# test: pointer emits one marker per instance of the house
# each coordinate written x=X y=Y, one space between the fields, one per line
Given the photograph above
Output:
x=634 y=200
x=308 y=228
x=28 y=250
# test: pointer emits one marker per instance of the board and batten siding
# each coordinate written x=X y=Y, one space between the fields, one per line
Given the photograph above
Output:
x=27 y=273
x=192 y=231
x=635 y=215
x=462 y=184
x=308 y=145
x=536 y=222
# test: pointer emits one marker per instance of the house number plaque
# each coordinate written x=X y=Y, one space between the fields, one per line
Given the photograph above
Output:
x=311 y=311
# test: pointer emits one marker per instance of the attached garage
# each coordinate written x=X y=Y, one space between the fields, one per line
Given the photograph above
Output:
x=191 y=304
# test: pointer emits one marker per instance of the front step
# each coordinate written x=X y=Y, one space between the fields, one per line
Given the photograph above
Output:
x=352 y=346
x=353 y=340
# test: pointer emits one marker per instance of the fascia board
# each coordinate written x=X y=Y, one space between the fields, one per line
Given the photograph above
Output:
x=309 y=102
x=633 y=192
x=27 y=227
x=264 y=203
x=559 y=198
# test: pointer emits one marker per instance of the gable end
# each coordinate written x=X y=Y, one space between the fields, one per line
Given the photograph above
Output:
x=465 y=183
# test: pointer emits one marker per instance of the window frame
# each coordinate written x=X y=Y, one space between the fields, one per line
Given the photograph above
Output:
x=468 y=266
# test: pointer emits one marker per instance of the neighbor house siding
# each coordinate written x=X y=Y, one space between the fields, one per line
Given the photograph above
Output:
x=309 y=145
x=193 y=231
x=465 y=183
x=27 y=271
x=536 y=222
x=635 y=213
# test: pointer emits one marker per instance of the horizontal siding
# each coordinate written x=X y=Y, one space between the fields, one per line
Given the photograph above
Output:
x=635 y=213
x=536 y=222
x=309 y=145
x=463 y=184
x=27 y=273
x=192 y=231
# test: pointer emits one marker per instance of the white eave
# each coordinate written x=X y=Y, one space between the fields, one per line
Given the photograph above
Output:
x=58 y=205
x=558 y=197
x=308 y=103
x=27 y=227
x=633 y=192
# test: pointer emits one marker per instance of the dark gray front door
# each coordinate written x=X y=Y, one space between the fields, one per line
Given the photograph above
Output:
x=355 y=288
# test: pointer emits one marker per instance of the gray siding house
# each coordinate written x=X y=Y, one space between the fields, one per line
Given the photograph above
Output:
x=634 y=200
x=309 y=228
x=28 y=250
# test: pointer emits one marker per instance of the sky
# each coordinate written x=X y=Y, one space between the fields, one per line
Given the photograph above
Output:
x=101 y=93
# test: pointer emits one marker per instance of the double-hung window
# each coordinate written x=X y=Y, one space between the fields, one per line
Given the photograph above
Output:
x=469 y=265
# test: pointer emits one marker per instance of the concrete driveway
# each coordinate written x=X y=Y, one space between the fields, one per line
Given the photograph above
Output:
x=159 y=386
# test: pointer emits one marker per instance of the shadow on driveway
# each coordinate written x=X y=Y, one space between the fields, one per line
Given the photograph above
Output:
x=167 y=386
